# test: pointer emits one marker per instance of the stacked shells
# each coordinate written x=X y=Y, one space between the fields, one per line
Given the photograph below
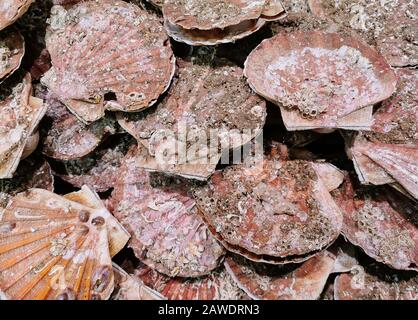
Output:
x=208 y=150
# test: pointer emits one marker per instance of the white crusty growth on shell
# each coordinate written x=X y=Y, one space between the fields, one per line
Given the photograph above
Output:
x=12 y=50
x=21 y=115
x=54 y=248
x=109 y=55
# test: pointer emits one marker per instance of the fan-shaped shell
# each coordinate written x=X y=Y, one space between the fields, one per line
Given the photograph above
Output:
x=98 y=170
x=211 y=14
x=67 y=137
x=11 y=10
x=167 y=233
x=381 y=222
x=320 y=75
x=202 y=98
x=218 y=285
x=54 y=248
x=21 y=114
x=288 y=282
x=129 y=287
x=107 y=55
x=275 y=211
x=375 y=282
x=12 y=50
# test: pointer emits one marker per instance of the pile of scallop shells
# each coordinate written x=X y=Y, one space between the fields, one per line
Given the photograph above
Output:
x=101 y=99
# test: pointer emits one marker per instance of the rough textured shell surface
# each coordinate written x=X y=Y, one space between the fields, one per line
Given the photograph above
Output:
x=20 y=116
x=12 y=50
x=219 y=285
x=107 y=55
x=276 y=211
x=288 y=282
x=100 y=169
x=201 y=98
x=68 y=138
x=211 y=14
x=11 y=10
x=53 y=248
x=319 y=73
x=167 y=233
x=382 y=223
x=375 y=282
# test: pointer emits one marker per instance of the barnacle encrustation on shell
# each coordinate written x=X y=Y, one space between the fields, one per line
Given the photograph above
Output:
x=389 y=25
x=52 y=247
x=21 y=114
x=130 y=287
x=382 y=222
x=202 y=22
x=374 y=281
x=99 y=170
x=388 y=153
x=67 y=138
x=110 y=55
x=161 y=215
x=33 y=172
x=304 y=281
x=218 y=285
x=12 y=50
x=208 y=110
x=275 y=211
x=11 y=10
x=320 y=79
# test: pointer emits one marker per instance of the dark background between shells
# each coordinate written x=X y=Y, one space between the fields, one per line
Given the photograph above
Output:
x=329 y=147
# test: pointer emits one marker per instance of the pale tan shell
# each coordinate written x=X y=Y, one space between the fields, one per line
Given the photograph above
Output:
x=54 y=248
x=21 y=115
x=12 y=50
x=11 y=10
x=130 y=287
x=108 y=55
x=278 y=70
x=289 y=282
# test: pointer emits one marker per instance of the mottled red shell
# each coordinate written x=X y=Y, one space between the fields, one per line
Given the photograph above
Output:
x=11 y=10
x=375 y=282
x=108 y=55
x=319 y=75
x=167 y=233
x=288 y=282
x=276 y=211
x=201 y=98
x=218 y=285
x=382 y=223
x=12 y=50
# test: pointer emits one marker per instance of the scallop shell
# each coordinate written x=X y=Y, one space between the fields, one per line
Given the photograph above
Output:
x=21 y=114
x=108 y=55
x=376 y=282
x=330 y=175
x=11 y=10
x=202 y=98
x=98 y=170
x=219 y=285
x=129 y=287
x=33 y=172
x=320 y=75
x=167 y=233
x=381 y=222
x=209 y=23
x=288 y=282
x=276 y=211
x=390 y=25
x=54 y=248
x=12 y=50
x=68 y=138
